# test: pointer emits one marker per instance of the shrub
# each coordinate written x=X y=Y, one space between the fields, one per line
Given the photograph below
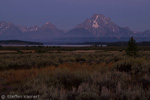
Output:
x=138 y=66
x=67 y=79
x=87 y=96
x=123 y=66
x=145 y=83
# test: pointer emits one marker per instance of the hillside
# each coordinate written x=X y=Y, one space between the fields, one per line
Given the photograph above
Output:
x=18 y=42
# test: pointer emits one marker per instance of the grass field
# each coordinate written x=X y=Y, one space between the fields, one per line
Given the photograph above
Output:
x=75 y=73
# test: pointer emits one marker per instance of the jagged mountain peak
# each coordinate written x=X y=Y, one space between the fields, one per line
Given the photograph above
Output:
x=3 y=23
x=36 y=33
x=49 y=25
x=95 y=22
x=99 y=25
x=100 y=17
x=147 y=31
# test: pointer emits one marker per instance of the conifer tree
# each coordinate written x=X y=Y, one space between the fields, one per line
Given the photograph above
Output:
x=132 y=47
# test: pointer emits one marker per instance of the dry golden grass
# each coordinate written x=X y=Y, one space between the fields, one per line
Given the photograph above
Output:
x=7 y=51
x=28 y=51
x=22 y=75
x=17 y=76
x=78 y=51
x=8 y=79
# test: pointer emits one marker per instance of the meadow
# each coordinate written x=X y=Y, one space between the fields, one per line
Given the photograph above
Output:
x=75 y=73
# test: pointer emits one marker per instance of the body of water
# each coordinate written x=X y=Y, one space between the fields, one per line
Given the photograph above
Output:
x=50 y=45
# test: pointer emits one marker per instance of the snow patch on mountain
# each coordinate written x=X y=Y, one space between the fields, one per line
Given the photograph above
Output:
x=95 y=23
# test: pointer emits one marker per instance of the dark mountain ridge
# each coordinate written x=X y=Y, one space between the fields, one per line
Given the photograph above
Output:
x=94 y=29
x=18 y=42
x=9 y=31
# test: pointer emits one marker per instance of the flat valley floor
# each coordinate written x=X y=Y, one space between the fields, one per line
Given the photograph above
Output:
x=74 y=73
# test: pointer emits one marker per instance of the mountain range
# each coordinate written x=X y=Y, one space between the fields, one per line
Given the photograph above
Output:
x=98 y=28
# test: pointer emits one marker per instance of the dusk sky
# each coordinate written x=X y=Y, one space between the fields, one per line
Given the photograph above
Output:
x=65 y=14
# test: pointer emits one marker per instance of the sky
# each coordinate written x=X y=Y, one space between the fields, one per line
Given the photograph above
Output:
x=66 y=14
